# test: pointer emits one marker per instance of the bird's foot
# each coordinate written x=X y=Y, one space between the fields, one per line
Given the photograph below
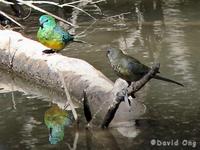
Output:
x=129 y=84
x=48 y=51
x=132 y=95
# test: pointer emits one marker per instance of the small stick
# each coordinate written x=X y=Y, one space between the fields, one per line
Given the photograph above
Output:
x=136 y=86
x=58 y=5
x=78 y=9
x=68 y=97
x=111 y=112
x=44 y=11
x=6 y=2
x=11 y=19
x=75 y=142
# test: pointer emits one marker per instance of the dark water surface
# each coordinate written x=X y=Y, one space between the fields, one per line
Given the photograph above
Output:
x=167 y=32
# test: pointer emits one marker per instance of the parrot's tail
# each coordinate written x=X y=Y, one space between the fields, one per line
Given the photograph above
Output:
x=167 y=80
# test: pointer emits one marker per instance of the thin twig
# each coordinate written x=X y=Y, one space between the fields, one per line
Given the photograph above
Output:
x=29 y=3
x=13 y=98
x=43 y=2
x=68 y=96
x=97 y=1
x=9 y=56
x=119 y=15
x=75 y=2
x=28 y=15
x=11 y=19
x=44 y=11
x=12 y=94
x=98 y=111
x=136 y=86
x=83 y=32
x=6 y=2
x=75 y=142
x=58 y=5
x=79 y=10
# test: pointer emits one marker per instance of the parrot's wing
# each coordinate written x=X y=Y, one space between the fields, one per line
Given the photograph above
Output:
x=138 y=68
x=65 y=35
x=44 y=34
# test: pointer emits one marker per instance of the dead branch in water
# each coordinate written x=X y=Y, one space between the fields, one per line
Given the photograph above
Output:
x=68 y=97
x=120 y=96
x=134 y=87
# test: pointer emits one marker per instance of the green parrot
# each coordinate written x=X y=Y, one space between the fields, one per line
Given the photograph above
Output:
x=52 y=35
x=129 y=68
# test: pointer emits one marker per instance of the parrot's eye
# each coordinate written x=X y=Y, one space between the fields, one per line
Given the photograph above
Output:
x=46 y=20
x=108 y=52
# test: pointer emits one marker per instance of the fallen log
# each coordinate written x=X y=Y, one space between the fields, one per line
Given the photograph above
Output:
x=24 y=57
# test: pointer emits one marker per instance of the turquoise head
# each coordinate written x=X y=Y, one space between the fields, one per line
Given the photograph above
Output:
x=47 y=21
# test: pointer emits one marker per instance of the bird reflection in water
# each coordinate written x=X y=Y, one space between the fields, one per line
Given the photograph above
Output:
x=56 y=119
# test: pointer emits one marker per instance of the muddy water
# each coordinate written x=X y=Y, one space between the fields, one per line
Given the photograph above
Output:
x=166 y=32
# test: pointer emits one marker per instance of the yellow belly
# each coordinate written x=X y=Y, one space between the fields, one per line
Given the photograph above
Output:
x=55 y=45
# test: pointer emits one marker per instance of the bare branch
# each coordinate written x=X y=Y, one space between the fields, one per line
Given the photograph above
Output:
x=136 y=86
x=75 y=2
x=6 y=2
x=11 y=19
x=44 y=11
x=43 y=2
x=119 y=15
x=28 y=15
x=30 y=4
x=79 y=10
x=68 y=97
x=63 y=5
x=97 y=1
x=111 y=113
x=84 y=31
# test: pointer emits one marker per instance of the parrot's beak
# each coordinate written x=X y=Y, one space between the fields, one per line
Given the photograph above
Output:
x=41 y=25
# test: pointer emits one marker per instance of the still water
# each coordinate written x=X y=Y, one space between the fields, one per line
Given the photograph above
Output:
x=150 y=30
